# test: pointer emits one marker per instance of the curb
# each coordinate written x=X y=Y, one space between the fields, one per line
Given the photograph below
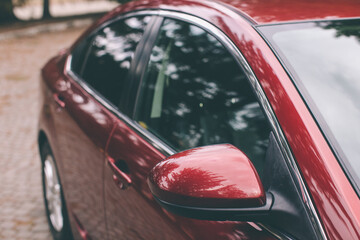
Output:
x=47 y=27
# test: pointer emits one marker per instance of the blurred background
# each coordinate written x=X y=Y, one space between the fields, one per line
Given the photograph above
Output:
x=13 y=10
x=31 y=32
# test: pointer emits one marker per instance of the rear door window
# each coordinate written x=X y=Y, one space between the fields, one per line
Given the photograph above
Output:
x=110 y=56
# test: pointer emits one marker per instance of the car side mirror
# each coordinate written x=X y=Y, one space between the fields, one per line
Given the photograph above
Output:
x=215 y=182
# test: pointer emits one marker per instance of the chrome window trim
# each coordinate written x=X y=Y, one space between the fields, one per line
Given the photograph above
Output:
x=126 y=15
x=167 y=151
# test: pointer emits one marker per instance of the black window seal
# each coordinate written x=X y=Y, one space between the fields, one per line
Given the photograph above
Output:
x=141 y=59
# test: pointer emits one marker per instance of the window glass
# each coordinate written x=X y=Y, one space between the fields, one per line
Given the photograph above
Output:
x=111 y=54
x=78 y=56
x=324 y=60
x=194 y=93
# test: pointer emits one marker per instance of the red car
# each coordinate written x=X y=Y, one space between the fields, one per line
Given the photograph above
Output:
x=206 y=120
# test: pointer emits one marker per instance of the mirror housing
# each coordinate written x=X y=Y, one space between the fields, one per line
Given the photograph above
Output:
x=215 y=182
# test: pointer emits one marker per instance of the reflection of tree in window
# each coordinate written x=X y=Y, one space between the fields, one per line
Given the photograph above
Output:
x=111 y=54
x=200 y=94
x=343 y=28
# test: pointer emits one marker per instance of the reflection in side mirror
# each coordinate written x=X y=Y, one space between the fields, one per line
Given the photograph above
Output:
x=214 y=183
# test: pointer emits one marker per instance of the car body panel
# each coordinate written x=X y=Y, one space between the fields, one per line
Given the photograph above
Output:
x=130 y=211
x=275 y=11
x=201 y=178
x=337 y=198
x=82 y=127
x=134 y=209
x=258 y=12
x=337 y=204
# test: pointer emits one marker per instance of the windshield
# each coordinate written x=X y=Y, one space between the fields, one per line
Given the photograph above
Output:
x=323 y=59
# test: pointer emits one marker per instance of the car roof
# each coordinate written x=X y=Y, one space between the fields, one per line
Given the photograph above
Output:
x=274 y=11
x=257 y=12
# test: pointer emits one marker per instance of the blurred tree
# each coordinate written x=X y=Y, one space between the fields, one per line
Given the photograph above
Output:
x=46 y=6
x=6 y=11
x=46 y=9
x=122 y=1
x=7 y=7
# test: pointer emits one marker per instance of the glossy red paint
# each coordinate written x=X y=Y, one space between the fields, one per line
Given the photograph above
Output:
x=272 y=11
x=258 y=12
x=211 y=176
x=134 y=208
x=81 y=128
x=334 y=198
x=130 y=211
x=120 y=178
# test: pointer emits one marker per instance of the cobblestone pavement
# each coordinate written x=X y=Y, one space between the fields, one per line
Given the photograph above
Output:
x=22 y=213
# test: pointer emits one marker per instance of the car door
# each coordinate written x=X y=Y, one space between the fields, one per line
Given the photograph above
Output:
x=191 y=93
x=82 y=127
x=84 y=120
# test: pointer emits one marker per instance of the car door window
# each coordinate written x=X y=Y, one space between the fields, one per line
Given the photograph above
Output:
x=78 y=55
x=194 y=93
x=110 y=55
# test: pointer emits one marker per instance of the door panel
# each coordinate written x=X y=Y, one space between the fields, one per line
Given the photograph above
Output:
x=182 y=121
x=132 y=213
x=82 y=128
